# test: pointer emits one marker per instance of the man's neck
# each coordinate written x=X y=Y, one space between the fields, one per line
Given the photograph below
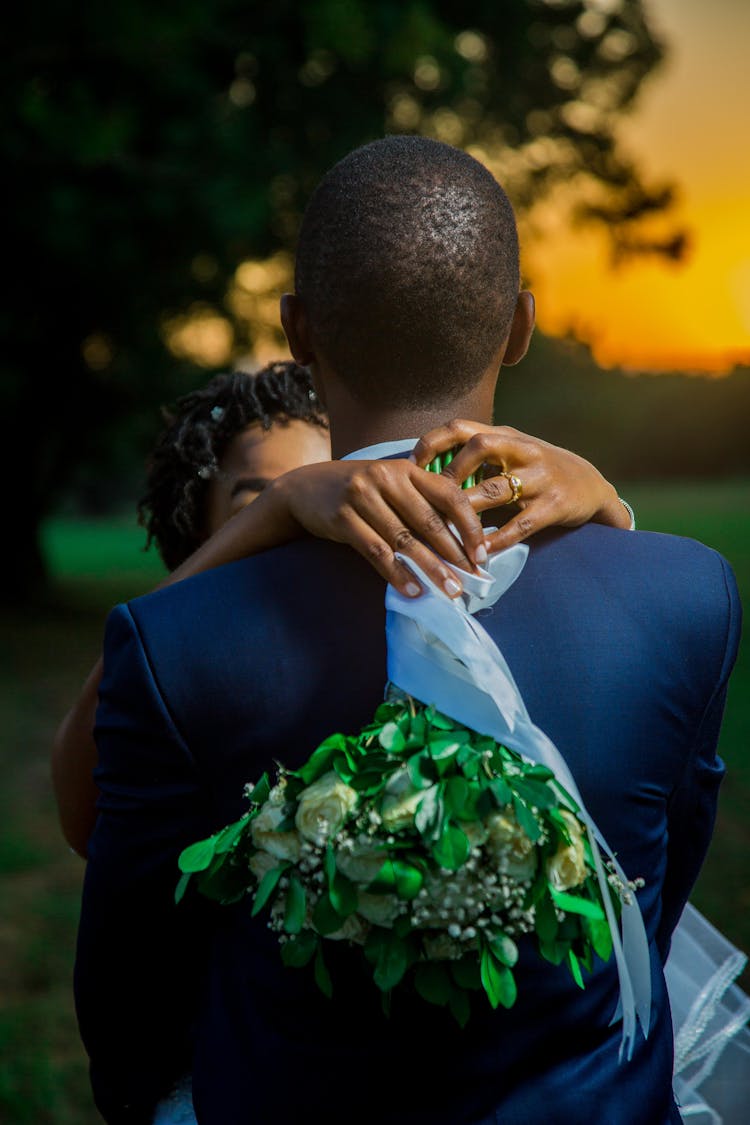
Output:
x=355 y=427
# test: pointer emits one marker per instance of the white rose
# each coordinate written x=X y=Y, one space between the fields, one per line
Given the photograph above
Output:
x=383 y=910
x=441 y=947
x=323 y=807
x=261 y=863
x=400 y=801
x=567 y=867
x=475 y=831
x=359 y=865
x=354 y=929
x=282 y=845
x=510 y=846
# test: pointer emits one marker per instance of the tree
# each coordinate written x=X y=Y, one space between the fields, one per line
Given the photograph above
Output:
x=152 y=146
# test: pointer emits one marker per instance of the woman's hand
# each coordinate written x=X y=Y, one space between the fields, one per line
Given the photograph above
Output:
x=379 y=507
x=560 y=489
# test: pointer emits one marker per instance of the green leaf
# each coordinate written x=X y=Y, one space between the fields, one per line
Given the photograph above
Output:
x=436 y=719
x=223 y=882
x=375 y=941
x=586 y=956
x=422 y=771
x=500 y=790
x=497 y=980
x=554 y=951
x=343 y=895
x=409 y=879
x=443 y=746
x=452 y=849
x=432 y=982
x=322 y=976
x=572 y=904
x=181 y=887
x=402 y=925
x=535 y=793
x=545 y=921
x=321 y=758
x=391 y=738
x=392 y=963
x=344 y=770
x=229 y=836
x=294 y=911
x=600 y=935
x=198 y=856
x=457 y=797
x=526 y=819
x=575 y=969
x=325 y=919
x=385 y=712
x=460 y=1007
x=267 y=887
x=417 y=732
x=466 y=972
x=299 y=950
x=260 y=791
x=504 y=949
x=542 y=773
x=428 y=818
x=397 y=875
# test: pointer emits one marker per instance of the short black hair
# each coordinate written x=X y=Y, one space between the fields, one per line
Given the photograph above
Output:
x=198 y=429
x=407 y=263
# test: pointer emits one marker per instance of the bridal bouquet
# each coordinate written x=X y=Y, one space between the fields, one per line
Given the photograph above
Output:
x=431 y=847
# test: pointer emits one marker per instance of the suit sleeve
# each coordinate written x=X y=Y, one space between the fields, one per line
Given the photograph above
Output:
x=692 y=807
x=139 y=958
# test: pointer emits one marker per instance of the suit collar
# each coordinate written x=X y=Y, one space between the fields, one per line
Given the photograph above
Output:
x=381 y=450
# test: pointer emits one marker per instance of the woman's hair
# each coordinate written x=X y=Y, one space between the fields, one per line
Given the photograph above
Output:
x=198 y=429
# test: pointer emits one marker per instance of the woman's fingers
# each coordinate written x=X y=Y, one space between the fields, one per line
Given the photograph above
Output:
x=443 y=438
x=443 y=496
x=379 y=550
x=385 y=497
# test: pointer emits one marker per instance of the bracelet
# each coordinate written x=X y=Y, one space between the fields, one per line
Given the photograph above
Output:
x=630 y=512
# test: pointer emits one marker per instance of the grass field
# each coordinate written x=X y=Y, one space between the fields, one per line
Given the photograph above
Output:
x=44 y=656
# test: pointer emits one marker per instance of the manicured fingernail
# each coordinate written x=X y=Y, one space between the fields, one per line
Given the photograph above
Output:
x=451 y=587
x=481 y=554
x=412 y=590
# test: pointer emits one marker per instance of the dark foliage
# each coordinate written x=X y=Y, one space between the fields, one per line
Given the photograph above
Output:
x=150 y=147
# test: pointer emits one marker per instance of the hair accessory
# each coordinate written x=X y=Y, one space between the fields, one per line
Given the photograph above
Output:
x=217 y=413
x=205 y=472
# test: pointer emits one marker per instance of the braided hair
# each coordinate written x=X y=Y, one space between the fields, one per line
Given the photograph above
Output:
x=197 y=432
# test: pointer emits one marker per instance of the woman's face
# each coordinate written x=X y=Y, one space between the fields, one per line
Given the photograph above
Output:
x=254 y=458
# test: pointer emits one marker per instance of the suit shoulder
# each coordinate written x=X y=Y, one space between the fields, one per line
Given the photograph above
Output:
x=664 y=574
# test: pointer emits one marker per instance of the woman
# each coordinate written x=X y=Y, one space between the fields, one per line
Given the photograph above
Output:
x=262 y=440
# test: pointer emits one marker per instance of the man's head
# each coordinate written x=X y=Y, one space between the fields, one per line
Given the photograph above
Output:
x=221 y=445
x=407 y=273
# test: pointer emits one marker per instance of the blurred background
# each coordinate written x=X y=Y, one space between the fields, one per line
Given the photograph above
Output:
x=158 y=157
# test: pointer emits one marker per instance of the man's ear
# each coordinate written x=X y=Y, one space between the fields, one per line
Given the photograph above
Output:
x=521 y=329
x=296 y=329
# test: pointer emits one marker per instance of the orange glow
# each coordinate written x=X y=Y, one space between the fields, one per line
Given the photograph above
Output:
x=690 y=127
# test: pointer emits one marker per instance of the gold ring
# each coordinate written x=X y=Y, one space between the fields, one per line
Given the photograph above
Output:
x=516 y=487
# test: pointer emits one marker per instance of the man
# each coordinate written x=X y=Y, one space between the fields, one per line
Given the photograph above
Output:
x=407 y=302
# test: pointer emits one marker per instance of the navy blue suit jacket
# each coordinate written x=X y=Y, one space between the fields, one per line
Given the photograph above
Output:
x=621 y=644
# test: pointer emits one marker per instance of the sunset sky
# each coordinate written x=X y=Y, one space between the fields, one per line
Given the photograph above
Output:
x=691 y=126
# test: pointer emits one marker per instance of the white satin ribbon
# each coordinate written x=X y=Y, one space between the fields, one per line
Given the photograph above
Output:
x=438 y=653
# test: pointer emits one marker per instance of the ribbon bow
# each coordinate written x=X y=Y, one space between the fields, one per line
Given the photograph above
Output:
x=439 y=654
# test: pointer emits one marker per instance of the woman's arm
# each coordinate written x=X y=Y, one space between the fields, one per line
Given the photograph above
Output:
x=377 y=507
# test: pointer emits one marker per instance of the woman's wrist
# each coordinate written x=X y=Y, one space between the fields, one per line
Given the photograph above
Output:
x=615 y=512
